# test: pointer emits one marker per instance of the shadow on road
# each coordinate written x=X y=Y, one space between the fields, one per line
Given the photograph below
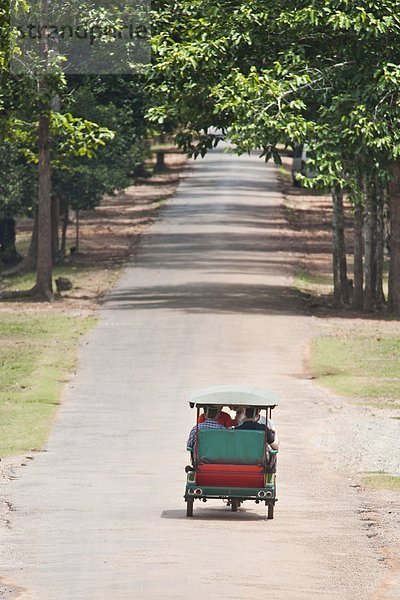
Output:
x=214 y=514
x=211 y=297
x=223 y=247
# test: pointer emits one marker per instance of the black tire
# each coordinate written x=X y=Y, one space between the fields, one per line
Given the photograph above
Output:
x=270 y=511
x=189 y=508
x=234 y=504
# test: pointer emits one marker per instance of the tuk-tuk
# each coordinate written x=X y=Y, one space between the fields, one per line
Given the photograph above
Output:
x=232 y=464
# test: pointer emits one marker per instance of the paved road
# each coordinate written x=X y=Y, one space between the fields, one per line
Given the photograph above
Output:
x=100 y=514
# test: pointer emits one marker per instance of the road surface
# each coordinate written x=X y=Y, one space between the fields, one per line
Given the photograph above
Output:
x=208 y=300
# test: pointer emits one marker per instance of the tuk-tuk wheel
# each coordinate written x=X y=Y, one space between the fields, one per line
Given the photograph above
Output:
x=189 y=508
x=234 y=504
x=270 y=511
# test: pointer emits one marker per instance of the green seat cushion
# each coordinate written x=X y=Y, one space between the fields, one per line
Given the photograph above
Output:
x=230 y=446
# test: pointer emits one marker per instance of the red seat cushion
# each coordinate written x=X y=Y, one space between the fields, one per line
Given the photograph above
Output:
x=242 y=476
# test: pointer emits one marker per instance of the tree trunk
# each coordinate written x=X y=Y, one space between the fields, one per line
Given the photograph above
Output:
x=8 y=250
x=29 y=261
x=44 y=267
x=394 y=266
x=335 y=254
x=64 y=227
x=31 y=257
x=358 y=299
x=160 y=161
x=77 y=230
x=340 y=283
x=380 y=242
x=55 y=215
x=370 y=221
x=43 y=287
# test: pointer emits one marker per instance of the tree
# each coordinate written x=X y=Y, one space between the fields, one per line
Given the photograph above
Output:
x=49 y=135
x=116 y=102
x=273 y=73
x=394 y=272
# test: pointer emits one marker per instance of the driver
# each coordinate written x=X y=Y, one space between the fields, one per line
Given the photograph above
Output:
x=251 y=421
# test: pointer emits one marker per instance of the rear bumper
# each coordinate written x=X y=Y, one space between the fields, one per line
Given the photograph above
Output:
x=265 y=494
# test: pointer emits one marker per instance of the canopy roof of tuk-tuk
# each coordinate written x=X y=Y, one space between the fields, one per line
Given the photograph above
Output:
x=233 y=395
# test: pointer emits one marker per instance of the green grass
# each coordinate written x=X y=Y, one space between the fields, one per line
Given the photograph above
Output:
x=365 y=367
x=37 y=354
x=380 y=481
x=380 y=472
x=87 y=278
x=25 y=281
x=23 y=243
x=285 y=173
x=305 y=281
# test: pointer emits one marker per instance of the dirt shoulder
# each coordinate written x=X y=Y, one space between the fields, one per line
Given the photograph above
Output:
x=359 y=438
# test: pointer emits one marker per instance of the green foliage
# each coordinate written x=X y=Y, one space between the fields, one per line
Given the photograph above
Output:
x=118 y=103
x=17 y=189
x=96 y=133
x=273 y=73
x=113 y=102
x=72 y=137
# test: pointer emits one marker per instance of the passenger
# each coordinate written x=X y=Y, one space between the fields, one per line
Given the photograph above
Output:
x=240 y=415
x=223 y=419
x=211 y=414
x=251 y=421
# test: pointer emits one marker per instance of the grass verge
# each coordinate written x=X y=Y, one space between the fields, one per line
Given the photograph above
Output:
x=381 y=481
x=93 y=281
x=365 y=367
x=37 y=354
x=316 y=284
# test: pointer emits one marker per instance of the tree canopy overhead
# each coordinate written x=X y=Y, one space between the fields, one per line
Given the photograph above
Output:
x=270 y=72
x=322 y=72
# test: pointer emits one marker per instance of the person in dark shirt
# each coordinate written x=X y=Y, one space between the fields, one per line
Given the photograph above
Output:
x=250 y=423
